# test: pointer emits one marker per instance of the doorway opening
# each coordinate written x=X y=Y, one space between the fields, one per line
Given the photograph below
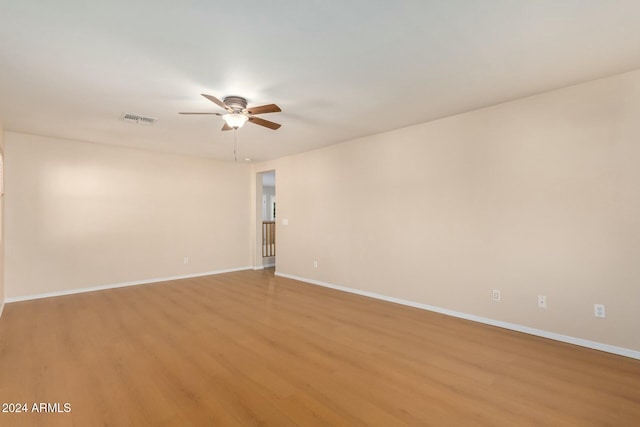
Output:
x=266 y=192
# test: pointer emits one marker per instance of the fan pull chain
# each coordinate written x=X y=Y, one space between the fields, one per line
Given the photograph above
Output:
x=235 y=146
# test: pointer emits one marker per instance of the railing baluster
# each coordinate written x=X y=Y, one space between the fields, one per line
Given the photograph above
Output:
x=268 y=238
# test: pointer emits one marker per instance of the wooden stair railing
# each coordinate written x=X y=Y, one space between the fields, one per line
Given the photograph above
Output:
x=268 y=239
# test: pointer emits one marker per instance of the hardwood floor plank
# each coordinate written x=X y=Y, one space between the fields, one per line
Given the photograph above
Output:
x=248 y=348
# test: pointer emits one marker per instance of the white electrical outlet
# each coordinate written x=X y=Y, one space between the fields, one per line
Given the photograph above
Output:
x=315 y=263
x=185 y=260
x=598 y=310
x=495 y=295
x=542 y=301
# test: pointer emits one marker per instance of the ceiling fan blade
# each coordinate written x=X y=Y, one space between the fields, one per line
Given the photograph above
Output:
x=226 y=127
x=265 y=123
x=215 y=114
x=216 y=101
x=270 y=108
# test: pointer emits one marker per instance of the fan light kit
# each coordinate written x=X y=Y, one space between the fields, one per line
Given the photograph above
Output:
x=235 y=120
x=238 y=114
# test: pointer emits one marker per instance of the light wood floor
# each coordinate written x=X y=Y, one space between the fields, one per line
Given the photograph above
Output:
x=249 y=348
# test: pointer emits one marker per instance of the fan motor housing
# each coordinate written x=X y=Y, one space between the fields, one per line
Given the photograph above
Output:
x=236 y=103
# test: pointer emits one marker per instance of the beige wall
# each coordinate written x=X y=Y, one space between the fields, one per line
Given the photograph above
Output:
x=1 y=226
x=82 y=215
x=536 y=196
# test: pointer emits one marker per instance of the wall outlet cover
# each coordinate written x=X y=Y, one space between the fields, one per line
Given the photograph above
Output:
x=542 y=301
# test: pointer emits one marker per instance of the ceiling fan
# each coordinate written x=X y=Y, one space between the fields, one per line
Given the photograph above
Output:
x=238 y=114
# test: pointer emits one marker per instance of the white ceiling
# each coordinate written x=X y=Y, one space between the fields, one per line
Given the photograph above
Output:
x=338 y=69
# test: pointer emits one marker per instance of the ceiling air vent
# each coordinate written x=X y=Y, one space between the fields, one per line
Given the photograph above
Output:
x=141 y=120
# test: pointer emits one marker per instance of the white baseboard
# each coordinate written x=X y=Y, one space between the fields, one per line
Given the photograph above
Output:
x=121 y=285
x=1 y=307
x=634 y=354
x=262 y=267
